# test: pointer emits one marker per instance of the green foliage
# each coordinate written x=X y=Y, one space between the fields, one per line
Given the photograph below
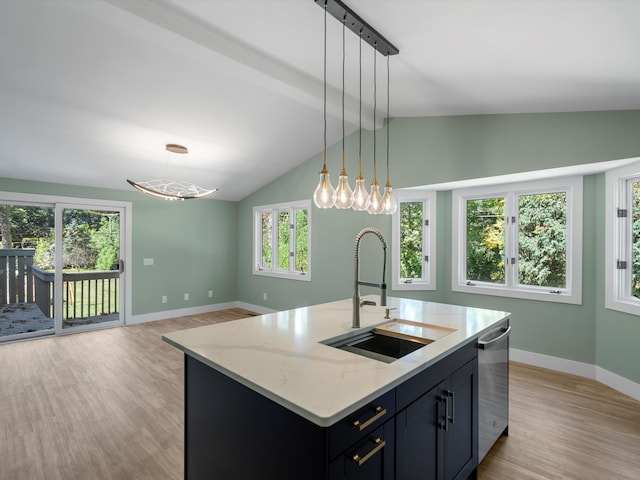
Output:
x=266 y=240
x=411 y=241
x=302 y=240
x=44 y=256
x=635 y=241
x=283 y=240
x=106 y=242
x=542 y=240
x=91 y=238
x=485 y=240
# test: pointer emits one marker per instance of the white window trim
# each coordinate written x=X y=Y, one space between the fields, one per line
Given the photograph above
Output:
x=572 y=294
x=617 y=246
x=428 y=197
x=257 y=240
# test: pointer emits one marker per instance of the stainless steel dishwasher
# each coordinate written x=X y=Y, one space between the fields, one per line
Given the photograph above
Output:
x=493 y=387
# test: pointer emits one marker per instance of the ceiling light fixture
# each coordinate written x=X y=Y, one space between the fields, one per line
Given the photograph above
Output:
x=172 y=189
x=343 y=194
x=324 y=195
x=389 y=199
x=374 y=204
x=360 y=194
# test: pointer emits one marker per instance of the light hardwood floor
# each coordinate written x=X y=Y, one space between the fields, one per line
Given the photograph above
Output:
x=109 y=405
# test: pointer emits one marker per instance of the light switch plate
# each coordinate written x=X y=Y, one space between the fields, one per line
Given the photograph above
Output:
x=147 y=261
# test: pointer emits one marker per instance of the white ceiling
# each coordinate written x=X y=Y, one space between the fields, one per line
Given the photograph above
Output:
x=92 y=90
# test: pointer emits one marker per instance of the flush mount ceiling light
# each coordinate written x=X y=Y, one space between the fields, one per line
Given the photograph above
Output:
x=325 y=196
x=172 y=189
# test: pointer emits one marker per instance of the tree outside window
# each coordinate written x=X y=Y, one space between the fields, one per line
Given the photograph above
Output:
x=282 y=240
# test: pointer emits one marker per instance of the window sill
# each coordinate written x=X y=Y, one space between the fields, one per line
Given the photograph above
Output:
x=306 y=277
x=413 y=286
x=538 y=295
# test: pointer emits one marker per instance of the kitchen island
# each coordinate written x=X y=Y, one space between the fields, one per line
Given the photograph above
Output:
x=266 y=398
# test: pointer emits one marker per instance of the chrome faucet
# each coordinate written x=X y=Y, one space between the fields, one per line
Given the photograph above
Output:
x=356 y=276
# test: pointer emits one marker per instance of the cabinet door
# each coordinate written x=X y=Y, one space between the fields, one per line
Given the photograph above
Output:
x=419 y=437
x=461 y=433
x=372 y=458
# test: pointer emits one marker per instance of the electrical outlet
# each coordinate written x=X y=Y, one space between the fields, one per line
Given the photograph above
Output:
x=264 y=296
x=186 y=297
x=164 y=299
x=210 y=293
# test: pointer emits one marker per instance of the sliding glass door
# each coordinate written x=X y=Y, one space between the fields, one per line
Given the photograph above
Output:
x=89 y=267
x=62 y=267
x=26 y=270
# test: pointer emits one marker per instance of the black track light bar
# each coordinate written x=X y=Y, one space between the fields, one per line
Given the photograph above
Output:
x=356 y=24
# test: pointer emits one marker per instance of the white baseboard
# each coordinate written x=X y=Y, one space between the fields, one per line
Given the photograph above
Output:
x=615 y=381
x=621 y=384
x=254 y=308
x=183 y=312
x=180 y=312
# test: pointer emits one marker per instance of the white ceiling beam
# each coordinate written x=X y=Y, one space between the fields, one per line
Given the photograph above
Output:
x=273 y=74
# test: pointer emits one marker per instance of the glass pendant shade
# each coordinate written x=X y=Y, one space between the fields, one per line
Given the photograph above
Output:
x=360 y=196
x=324 y=194
x=376 y=204
x=389 y=201
x=343 y=194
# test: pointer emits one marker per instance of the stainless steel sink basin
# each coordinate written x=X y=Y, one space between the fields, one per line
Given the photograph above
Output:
x=378 y=346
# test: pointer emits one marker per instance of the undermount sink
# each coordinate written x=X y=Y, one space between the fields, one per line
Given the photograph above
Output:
x=390 y=341
x=378 y=346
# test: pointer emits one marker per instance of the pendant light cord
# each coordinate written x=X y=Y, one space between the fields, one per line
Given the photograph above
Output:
x=344 y=26
x=324 y=102
x=360 y=110
x=375 y=97
x=388 y=121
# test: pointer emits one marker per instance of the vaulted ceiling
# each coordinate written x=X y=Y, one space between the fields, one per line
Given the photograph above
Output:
x=92 y=90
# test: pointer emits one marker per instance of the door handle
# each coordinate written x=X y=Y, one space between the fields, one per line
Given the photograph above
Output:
x=484 y=345
x=379 y=445
x=445 y=399
x=379 y=413
x=121 y=265
x=452 y=417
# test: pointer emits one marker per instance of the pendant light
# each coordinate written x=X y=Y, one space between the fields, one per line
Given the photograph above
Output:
x=171 y=189
x=389 y=200
x=343 y=196
x=324 y=194
x=375 y=204
x=360 y=195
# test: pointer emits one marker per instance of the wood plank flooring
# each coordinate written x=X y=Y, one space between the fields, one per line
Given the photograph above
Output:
x=565 y=427
x=109 y=405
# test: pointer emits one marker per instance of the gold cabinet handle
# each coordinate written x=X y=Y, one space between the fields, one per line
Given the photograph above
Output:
x=379 y=413
x=362 y=460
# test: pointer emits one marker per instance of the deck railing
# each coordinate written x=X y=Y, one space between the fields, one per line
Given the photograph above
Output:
x=16 y=280
x=85 y=294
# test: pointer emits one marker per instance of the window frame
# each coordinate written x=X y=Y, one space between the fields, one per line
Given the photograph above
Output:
x=274 y=209
x=572 y=293
x=428 y=282
x=618 y=242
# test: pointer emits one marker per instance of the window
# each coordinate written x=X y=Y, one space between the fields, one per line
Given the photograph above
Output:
x=622 y=243
x=520 y=240
x=414 y=241
x=282 y=234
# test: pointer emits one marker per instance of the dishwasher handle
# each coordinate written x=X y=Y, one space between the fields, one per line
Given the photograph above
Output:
x=482 y=344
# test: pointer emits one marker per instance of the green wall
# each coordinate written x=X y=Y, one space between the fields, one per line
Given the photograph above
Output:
x=433 y=150
x=193 y=244
x=207 y=244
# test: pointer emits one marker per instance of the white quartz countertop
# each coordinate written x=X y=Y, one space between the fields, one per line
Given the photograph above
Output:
x=279 y=355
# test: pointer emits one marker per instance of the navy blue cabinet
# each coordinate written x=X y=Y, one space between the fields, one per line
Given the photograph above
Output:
x=425 y=428
x=372 y=458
